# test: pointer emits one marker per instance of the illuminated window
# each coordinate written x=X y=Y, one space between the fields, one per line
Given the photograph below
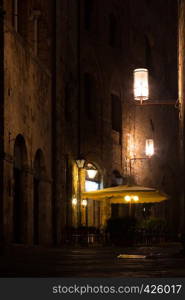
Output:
x=91 y=186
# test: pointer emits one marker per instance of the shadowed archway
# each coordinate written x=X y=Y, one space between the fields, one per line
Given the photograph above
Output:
x=20 y=190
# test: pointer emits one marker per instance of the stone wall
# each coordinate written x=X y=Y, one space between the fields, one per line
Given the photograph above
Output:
x=27 y=112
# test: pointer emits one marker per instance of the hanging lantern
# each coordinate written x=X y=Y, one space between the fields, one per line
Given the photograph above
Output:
x=80 y=163
x=149 y=148
x=91 y=173
x=141 y=89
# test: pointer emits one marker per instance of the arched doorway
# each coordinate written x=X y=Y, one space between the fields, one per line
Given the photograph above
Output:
x=20 y=190
x=38 y=196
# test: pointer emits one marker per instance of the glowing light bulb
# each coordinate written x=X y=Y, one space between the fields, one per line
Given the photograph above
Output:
x=149 y=148
x=135 y=198
x=127 y=198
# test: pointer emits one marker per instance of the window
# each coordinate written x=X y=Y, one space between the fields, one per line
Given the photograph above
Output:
x=88 y=9
x=36 y=22
x=15 y=14
x=91 y=186
x=89 y=95
x=116 y=113
x=20 y=16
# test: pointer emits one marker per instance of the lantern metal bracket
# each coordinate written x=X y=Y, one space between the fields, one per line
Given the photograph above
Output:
x=142 y=102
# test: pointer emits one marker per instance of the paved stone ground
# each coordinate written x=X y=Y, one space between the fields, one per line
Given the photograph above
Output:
x=163 y=261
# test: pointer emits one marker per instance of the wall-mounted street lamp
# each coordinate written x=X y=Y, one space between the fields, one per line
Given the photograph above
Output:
x=149 y=151
x=91 y=171
x=141 y=89
x=149 y=148
x=141 y=86
x=80 y=163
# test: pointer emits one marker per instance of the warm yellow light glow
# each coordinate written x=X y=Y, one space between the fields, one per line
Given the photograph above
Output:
x=130 y=145
x=91 y=173
x=74 y=201
x=135 y=198
x=84 y=202
x=149 y=148
x=141 y=89
x=127 y=198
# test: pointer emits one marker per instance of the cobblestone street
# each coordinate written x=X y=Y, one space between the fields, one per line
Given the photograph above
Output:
x=163 y=261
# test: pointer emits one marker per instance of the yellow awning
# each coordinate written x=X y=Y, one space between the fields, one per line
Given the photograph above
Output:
x=116 y=194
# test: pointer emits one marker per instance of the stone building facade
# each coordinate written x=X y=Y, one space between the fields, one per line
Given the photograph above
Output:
x=150 y=45
x=68 y=94
x=27 y=122
x=105 y=126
